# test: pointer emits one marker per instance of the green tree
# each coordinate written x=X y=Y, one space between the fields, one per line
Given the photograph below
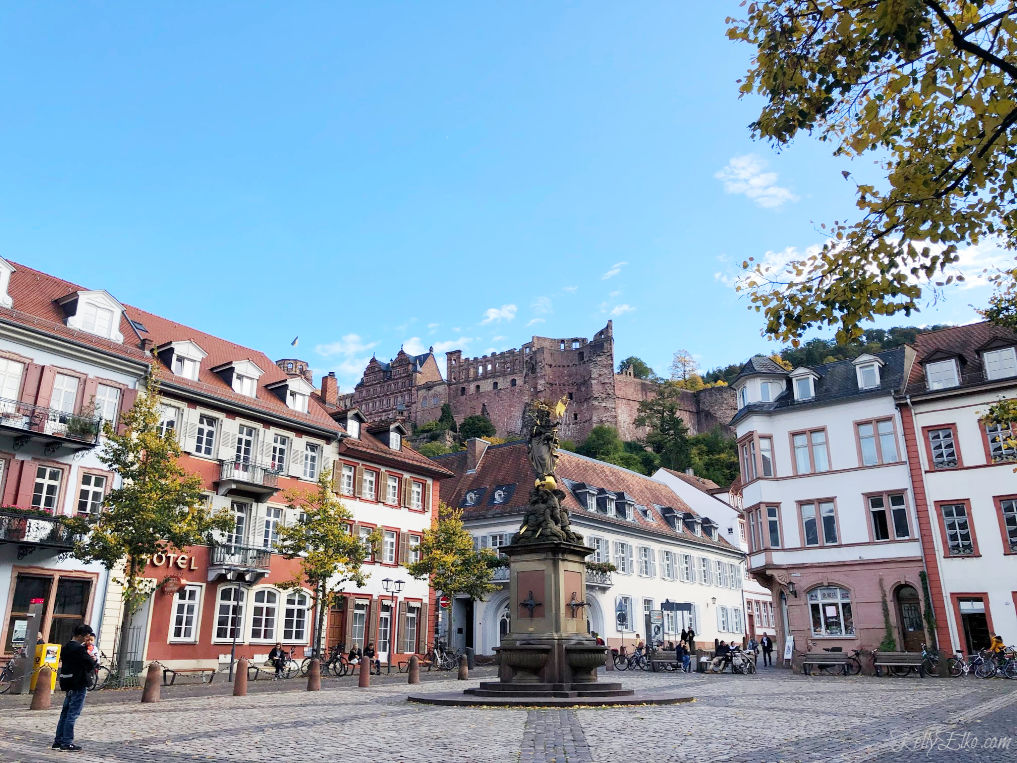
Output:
x=330 y=555
x=476 y=426
x=602 y=441
x=446 y=421
x=639 y=368
x=158 y=508
x=448 y=558
x=668 y=434
x=714 y=456
x=432 y=449
x=683 y=366
x=929 y=88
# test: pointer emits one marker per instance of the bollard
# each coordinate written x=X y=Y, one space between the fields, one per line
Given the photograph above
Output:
x=152 y=678
x=240 y=678
x=464 y=672
x=610 y=660
x=43 y=689
x=414 y=670
x=314 y=675
x=365 y=673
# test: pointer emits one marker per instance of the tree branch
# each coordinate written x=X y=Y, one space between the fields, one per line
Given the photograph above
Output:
x=962 y=43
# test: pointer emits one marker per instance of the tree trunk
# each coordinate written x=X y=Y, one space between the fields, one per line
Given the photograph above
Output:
x=125 y=631
x=322 y=601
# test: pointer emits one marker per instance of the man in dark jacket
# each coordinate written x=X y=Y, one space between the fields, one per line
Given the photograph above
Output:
x=76 y=666
x=370 y=656
x=767 y=646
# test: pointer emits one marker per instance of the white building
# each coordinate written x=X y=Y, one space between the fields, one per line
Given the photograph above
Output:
x=670 y=559
x=705 y=498
x=963 y=472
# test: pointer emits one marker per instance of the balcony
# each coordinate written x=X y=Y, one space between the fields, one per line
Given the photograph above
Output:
x=31 y=530
x=238 y=476
x=50 y=426
x=501 y=575
x=598 y=579
x=246 y=564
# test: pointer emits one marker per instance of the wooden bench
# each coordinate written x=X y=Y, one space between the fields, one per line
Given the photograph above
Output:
x=404 y=665
x=169 y=675
x=823 y=660
x=898 y=663
x=660 y=660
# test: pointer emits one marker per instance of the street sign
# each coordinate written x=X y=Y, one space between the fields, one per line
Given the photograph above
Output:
x=444 y=602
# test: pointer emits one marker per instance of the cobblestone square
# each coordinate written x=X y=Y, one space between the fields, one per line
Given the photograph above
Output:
x=773 y=716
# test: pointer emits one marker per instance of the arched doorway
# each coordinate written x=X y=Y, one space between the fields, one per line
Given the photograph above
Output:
x=909 y=618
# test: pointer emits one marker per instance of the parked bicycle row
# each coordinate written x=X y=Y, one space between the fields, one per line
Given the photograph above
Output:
x=995 y=662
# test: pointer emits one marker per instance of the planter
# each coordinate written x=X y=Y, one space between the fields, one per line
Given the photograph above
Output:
x=584 y=661
x=526 y=662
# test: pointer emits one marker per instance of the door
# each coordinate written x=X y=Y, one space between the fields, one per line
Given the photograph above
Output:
x=974 y=623
x=246 y=438
x=909 y=617
x=26 y=588
x=336 y=631
x=384 y=631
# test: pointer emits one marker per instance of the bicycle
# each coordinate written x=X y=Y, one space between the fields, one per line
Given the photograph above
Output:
x=100 y=675
x=959 y=666
x=289 y=666
x=7 y=673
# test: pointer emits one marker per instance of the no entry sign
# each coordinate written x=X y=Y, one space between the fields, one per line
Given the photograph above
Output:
x=444 y=602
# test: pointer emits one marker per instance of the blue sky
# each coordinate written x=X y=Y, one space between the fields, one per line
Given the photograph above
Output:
x=366 y=175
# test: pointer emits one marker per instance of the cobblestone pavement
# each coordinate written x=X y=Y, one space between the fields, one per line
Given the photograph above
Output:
x=773 y=716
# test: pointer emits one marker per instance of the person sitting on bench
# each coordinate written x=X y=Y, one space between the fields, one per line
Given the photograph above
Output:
x=721 y=658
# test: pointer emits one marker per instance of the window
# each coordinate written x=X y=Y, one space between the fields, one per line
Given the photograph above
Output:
x=766 y=456
x=47 y=488
x=273 y=518
x=185 y=614
x=92 y=493
x=359 y=623
x=803 y=388
x=367 y=485
x=877 y=442
x=941 y=445
x=297 y=400
x=392 y=489
x=280 y=450
x=168 y=418
x=773 y=525
x=312 y=458
x=414 y=547
x=770 y=391
x=755 y=539
x=623 y=613
x=723 y=622
x=353 y=427
x=65 y=393
x=10 y=380
x=667 y=565
x=107 y=403
x=204 y=444
x=1000 y=364
x=600 y=549
x=647 y=567
x=230 y=613
x=687 y=568
x=819 y=523
x=498 y=540
x=239 y=533
x=388 y=548
x=623 y=557
x=831 y=612
x=245 y=385
x=720 y=573
x=868 y=376
x=346 y=484
x=185 y=367
x=705 y=571
x=409 y=634
x=365 y=539
x=1008 y=522
x=748 y=459
x=957 y=529
x=295 y=617
x=417 y=496
x=384 y=627
x=395 y=440
x=897 y=518
x=96 y=320
x=941 y=374
x=264 y=611
x=1001 y=442
x=743 y=397
x=810 y=451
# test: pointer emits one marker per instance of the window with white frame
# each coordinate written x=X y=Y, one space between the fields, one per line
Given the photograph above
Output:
x=1008 y=520
x=295 y=617
x=10 y=382
x=743 y=397
x=941 y=374
x=819 y=523
x=365 y=540
x=359 y=623
x=391 y=489
x=388 y=548
x=169 y=416
x=280 y=452
x=686 y=568
x=868 y=375
x=943 y=448
x=408 y=638
x=353 y=427
x=184 y=619
x=877 y=442
x=888 y=514
x=395 y=440
x=346 y=481
x=1001 y=442
x=646 y=565
x=96 y=320
x=747 y=452
x=667 y=565
x=804 y=389
x=264 y=611
x=368 y=485
x=723 y=623
x=811 y=454
x=297 y=400
x=417 y=496
x=245 y=385
x=720 y=573
x=770 y=391
x=204 y=443
x=956 y=525
x=830 y=609
x=230 y=613
x=47 y=488
x=1000 y=364
x=107 y=403
x=273 y=518
x=705 y=571
x=238 y=535
x=414 y=548
x=91 y=493
x=312 y=460
x=185 y=367
x=737 y=620
x=623 y=614
x=65 y=393
x=766 y=456
x=600 y=550
x=623 y=557
x=773 y=525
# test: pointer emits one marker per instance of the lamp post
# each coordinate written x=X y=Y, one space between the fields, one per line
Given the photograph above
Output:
x=392 y=587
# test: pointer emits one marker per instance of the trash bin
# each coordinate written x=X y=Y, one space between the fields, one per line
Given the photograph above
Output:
x=469 y=657
x=702 y=664
x=46 y=654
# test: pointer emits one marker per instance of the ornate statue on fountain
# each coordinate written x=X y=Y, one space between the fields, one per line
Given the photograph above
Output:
x=546 y=519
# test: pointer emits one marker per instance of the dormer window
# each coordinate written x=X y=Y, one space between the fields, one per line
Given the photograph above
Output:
x=867 y=371
x=1000 y=364
x=295 y=391
x=297 y=401
x=770 y=391
x=942 y=374
x=183 y=358
x=395 y=440
x=95 y=312
x=241 y=375
x=605 y=503
x=5 y=281
x=245 y=385
x=96 y=320
x=185 y=367
x=353 y=427
x=805 y=388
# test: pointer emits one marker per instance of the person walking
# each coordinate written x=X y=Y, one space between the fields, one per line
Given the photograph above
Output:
x=76 y=665
x=767 y=646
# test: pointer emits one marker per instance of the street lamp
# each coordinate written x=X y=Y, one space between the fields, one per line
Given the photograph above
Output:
x=391 y=587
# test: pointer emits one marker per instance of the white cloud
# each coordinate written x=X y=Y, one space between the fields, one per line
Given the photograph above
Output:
x=413 y=346
x=432 y=327
x=503 y=313
x=542 y=306
x=745 y=175
x=622 y=309
x=499 y=338
x=535 y=321
x=613 y=270
x=452 y=344
x=351 y=356
x=615 y=293
x=570 y=289
x=350 y=344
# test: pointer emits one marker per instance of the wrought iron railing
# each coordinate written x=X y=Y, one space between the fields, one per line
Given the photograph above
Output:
x=31 y=528
x=249 y=472
x=39 y=420
x=594 y=577
x=244 y=557
x=501 y=575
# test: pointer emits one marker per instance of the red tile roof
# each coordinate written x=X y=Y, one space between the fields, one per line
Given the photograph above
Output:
x=508 y=464
x=700 y=482
x=965 y=342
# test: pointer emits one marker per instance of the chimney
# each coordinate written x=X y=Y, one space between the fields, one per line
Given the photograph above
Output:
x=690 y=471
x=475 y=449
x=330 y=389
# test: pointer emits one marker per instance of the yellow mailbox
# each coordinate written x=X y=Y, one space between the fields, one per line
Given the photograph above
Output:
x=46 y=654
